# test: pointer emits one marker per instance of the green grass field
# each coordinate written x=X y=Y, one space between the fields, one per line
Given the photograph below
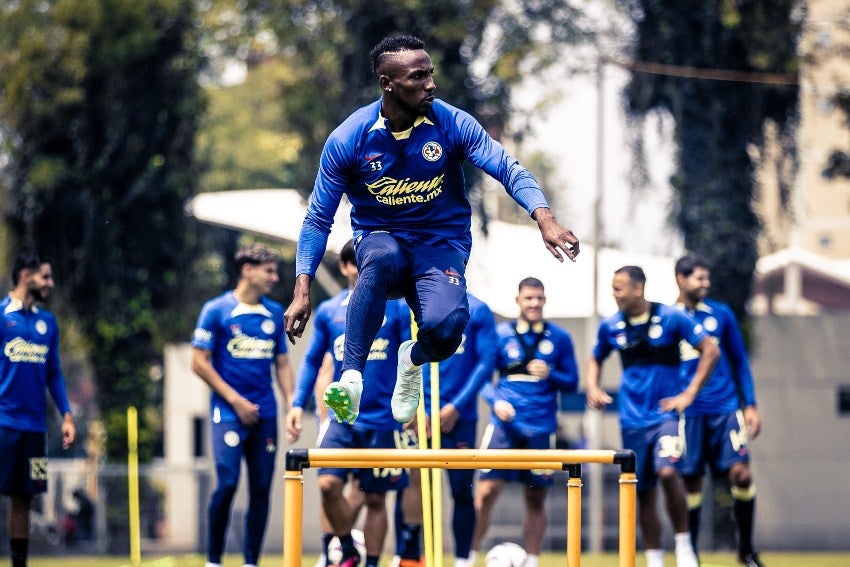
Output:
x=547 y=560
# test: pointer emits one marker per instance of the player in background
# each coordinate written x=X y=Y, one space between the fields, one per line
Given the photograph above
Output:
x=535 y=359
x=239 y=350
x=651 y=400
x=723 y=417
x=400 y=162
x=461 y=376
x=29 y=367
x=375 y=427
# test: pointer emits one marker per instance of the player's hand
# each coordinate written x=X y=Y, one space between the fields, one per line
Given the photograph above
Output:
x=678 y=403
x=293 y=424
x=538 y=368
x=753 y=421
x=449 y=417
x=597 y=398
x=69 y=431
x=248 y=412
x=504 y=410
x=559 y=240
x=298 y=312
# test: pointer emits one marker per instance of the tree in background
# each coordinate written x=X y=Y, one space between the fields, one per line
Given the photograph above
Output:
x=716 y=120
x=99 y=109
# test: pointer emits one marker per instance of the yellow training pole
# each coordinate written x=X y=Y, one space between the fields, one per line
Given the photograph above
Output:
x=574 y=516
x=425 y=488
x=628 y=518
x=293 y=499
x=133 y=486
x=436 y=474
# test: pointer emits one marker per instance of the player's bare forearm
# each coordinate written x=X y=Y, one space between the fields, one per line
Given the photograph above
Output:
x=559 y=240
x=298 y=312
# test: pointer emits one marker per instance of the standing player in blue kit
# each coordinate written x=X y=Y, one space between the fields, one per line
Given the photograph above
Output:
x=29 y=366
x=399 y=160
x=723 y=417
x=239 y=350
x=535 y=360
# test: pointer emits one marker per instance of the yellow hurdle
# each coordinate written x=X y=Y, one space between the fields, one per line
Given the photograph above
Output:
x=526 y=459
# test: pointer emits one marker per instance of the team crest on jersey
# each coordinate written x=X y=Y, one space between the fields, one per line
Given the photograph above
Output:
x=432 y=151
x=512 y=350
x=40 y=327
x=546 y=347
x=710 y=324
x=655 y=331
x=267 y=326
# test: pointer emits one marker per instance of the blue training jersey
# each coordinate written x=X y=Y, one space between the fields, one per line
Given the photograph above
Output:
x=731 y=383
x=464 y=373
x=244 y=341
x=645 y=383
x=29 y=367
x=413 y=187
x=534 y=399
x=381 y=365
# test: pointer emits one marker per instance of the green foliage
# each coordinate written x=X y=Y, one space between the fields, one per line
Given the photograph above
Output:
x=716 y=120
x=100 y=108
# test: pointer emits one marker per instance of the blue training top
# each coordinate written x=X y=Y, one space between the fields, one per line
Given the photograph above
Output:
x=29 y=366
x=464 y=373
x=534 y=399
x=244 y=341
x=645 y=383
x=380 y=372
x=731 y=383
x=414 y=187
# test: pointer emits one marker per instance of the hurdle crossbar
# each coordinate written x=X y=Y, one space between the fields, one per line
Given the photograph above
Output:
x=524 y=459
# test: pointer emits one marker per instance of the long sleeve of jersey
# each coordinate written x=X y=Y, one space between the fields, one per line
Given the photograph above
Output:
x=308 y=373
x=55 y=378
x=484 y=327
x=739 y=362
x=331 y=184
x=488 y=155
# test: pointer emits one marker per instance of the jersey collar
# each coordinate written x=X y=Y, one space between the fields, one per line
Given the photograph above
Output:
x=18 y=305
x=381 y=124
x=522 y=327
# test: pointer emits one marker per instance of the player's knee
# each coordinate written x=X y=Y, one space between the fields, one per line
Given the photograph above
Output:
x=441 y=341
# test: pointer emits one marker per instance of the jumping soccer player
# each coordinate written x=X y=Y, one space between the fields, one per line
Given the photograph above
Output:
x=723 y=417
x=399 y=160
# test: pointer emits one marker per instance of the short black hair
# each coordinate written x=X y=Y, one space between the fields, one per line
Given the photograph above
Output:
x=690 y=262
x=25 y=261
x=393 y=44
x=346 y=255
x=530 y=282
x=635 y=273
x=254 y=254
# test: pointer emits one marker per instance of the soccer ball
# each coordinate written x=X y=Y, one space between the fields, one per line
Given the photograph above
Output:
x=505 y=554
x=335 y=549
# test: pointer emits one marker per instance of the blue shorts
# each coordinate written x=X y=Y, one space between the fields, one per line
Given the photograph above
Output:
x=334 y=435
x=497 y=436
x=430 y=278
x=231 y=441
x=23 y=466
x=655 y=448
x=718 y=441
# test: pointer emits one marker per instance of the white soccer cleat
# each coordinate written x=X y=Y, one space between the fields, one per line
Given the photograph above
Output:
x=344 y=397
x=408 y=386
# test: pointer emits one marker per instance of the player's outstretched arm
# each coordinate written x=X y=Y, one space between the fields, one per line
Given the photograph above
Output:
x=559 y=240
x=298 y=312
